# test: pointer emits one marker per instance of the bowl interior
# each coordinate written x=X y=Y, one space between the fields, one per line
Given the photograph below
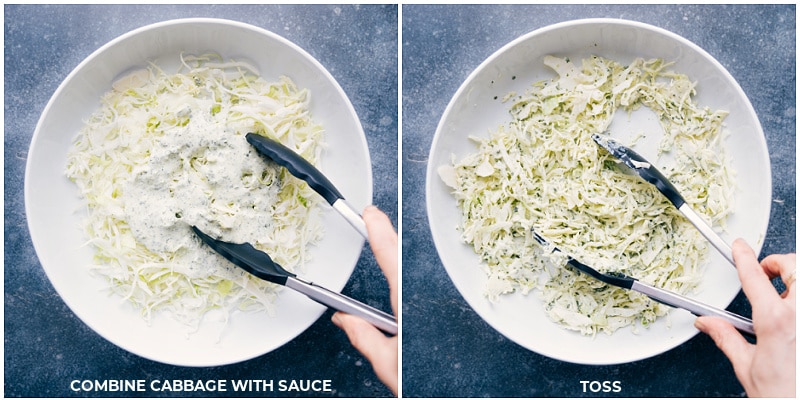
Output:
x=475 y=110
x=54 y=209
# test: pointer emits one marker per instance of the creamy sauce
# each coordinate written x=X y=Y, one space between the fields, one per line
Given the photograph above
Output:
x=204 y=175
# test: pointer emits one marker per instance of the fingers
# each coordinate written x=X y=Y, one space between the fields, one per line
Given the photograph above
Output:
x=383 y=241
x=783 y=265
x=364 y=337
x=381 y=351
x=729 y=340
x=755 y=280
x=779 y=265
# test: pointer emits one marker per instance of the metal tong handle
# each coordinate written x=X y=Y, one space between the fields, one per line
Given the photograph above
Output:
x=741 y=323
x=351 y=216
x=707 y=232
x=340 y=302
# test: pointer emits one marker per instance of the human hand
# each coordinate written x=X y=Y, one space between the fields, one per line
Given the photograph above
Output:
x=766 y=369
x=381 y=351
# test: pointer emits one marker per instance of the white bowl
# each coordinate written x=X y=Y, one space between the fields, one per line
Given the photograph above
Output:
x=54 y=208
x=473 y=110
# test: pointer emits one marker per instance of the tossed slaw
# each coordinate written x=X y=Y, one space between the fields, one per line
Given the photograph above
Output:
x=541 y=171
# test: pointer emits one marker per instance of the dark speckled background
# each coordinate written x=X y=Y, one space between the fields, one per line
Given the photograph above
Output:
x=448 y=350
x=46 y=345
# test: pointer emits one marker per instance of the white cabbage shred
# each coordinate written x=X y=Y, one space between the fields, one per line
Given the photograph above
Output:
x=542 y=171
x=166 y=151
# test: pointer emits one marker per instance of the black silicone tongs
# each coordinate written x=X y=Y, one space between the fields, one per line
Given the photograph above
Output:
x=647 y=171
x=660 y=295
x=259 y=264
x=301 y=168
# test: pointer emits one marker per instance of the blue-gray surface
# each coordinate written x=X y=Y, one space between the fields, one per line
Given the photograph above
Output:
x=448 y=350
x=46 y=345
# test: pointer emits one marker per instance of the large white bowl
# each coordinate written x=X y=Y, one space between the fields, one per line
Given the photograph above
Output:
x=54 y=208
x=474 y=110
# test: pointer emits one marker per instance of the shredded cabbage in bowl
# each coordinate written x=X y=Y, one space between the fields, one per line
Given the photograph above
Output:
x=542 y=171
x=166 y=151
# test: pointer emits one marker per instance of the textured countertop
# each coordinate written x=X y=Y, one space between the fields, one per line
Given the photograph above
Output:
x=46 y=345
x=448 y=350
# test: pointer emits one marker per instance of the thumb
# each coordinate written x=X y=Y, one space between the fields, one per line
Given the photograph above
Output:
x=729 y=340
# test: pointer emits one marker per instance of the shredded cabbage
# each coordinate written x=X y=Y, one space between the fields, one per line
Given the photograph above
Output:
x=167 y=151
x=542 y=171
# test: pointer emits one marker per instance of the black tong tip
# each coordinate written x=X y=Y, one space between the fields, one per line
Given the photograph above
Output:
x=619 y=280
x=248 y=258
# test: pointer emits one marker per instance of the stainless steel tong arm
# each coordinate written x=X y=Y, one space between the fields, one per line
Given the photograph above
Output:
x=351 y=216
x=338 y=301
x=695 y=307
x=708 y=232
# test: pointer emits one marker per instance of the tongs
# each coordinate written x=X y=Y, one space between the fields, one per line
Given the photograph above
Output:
x=640 y=166
x=300 y=168
x=259 y=264
x=660 y=295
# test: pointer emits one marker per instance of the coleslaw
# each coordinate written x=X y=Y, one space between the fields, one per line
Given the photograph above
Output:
x=166 y=151
x=541 y=171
